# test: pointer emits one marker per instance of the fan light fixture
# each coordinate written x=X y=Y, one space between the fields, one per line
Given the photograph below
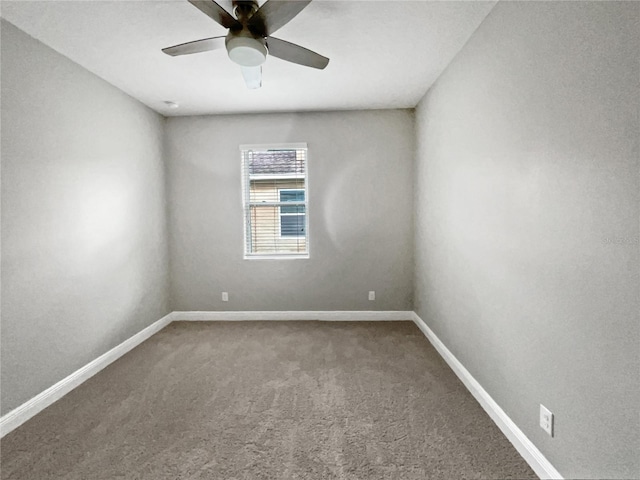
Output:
x=246 y=51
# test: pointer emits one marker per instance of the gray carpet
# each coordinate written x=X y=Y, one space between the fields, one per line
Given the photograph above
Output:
x=267 y=400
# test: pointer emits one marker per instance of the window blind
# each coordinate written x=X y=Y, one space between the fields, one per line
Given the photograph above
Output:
x=274 y=179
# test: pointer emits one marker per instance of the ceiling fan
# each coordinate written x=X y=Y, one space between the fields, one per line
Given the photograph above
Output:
x=249 y=40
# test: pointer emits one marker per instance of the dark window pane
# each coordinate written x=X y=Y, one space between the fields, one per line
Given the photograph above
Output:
x=293 y=209
x=292 y=225
x=292 y=195
x=275 y=162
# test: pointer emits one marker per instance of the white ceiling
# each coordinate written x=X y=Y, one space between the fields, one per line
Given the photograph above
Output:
x=384 y=54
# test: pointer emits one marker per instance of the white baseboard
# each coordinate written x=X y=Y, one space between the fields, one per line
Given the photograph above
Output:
x=24 y=412
x=336 y=316
x=525 y=447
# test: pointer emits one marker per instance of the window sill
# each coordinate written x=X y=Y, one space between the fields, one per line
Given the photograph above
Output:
x=277 y=257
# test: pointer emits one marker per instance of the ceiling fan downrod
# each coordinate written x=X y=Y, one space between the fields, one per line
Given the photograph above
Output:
x=244 y=9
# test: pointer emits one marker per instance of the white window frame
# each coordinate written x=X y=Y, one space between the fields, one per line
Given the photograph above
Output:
x=280 y=214
x=245 y=202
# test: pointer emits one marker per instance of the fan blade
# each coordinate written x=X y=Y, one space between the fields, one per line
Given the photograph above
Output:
x=275 y=14
x=216 y=12
x=252 y=76
x=197 y=46
x=295 y=53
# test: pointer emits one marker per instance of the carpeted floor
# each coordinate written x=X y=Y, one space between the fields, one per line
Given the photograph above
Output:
x=267 y=400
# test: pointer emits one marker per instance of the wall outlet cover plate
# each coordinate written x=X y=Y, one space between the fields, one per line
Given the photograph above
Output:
x=546 y=420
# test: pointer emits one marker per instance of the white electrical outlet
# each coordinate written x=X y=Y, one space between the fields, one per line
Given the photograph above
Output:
x=372 y=295
x=225 y=297
x=546 y=420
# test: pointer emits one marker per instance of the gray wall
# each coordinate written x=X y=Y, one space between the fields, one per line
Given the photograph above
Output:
x=527 y=223
x=84 y=249
x=360 y=213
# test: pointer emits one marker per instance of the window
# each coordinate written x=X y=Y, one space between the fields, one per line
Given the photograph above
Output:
x=274 y=182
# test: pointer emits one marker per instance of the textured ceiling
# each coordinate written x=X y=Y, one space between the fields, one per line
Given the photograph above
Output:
x=384 y=54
